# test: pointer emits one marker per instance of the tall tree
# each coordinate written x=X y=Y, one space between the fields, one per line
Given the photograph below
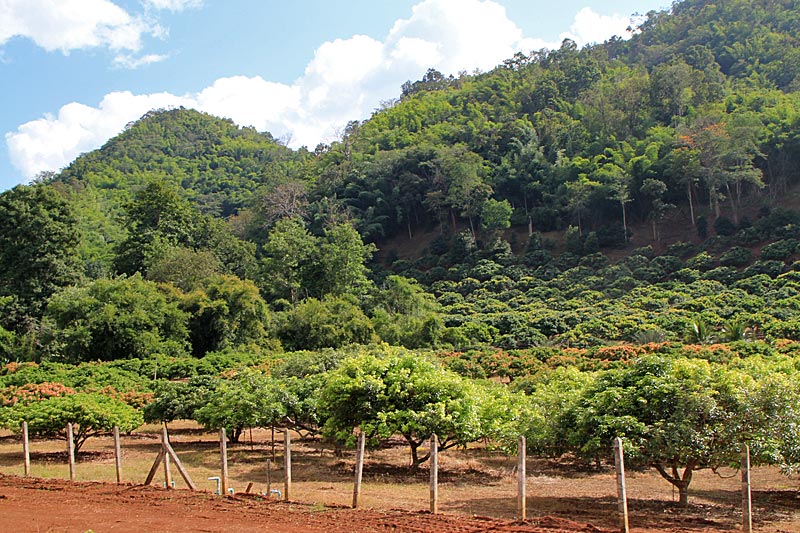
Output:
x=38 y=251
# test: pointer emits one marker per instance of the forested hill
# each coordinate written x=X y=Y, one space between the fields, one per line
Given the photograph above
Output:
x=695 y=110
x=217 y=164
x=676 y=153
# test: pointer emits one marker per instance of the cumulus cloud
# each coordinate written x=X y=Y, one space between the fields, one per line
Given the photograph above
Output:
x=345 y=80
x=51 y=141
x=590 y=27
x=67 y=25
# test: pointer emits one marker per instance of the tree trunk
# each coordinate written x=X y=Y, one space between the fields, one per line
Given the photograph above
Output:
x=691 y=202
x=624 y=222
x=733 y=204
x=680 y=481
x=683 y=495
x=416 y=460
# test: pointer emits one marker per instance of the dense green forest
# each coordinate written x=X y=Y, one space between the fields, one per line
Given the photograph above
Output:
x=593 y=225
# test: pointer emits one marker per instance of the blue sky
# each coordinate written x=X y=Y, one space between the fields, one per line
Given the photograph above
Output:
x=74 y=72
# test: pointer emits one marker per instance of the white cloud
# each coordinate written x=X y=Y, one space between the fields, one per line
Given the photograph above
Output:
x=345 y=80
x=132 y=62
x=173 y=5
x=67 y=25
x=590 y=27
x=50 y=142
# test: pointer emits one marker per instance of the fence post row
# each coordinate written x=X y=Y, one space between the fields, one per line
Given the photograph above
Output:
x=166 y=453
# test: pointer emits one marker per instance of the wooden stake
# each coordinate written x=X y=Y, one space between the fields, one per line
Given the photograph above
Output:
x=434 y=496
x=359 y=469
x=165 y=446
x=287 y=465
x=269 y=477
x=154 y=468
x=71 y=452
x=117 y=455
x=522 y=496
x=747 y=501
x=184 y=474
x=249 y=488
x=26 y=449
x=619 y=462
x=223 y=457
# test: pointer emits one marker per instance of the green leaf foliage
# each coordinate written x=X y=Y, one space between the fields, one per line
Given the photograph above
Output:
x=108 y=319
x=91 y=414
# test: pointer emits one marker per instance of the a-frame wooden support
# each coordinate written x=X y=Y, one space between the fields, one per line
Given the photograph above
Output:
x=165 y=454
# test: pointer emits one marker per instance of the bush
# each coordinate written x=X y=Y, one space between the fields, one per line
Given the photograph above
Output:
x=702 y=261
x=736 y=257
x=724 y=226
x=328 y=323
x=681 y=249
x=780 y=250
x=109 y=319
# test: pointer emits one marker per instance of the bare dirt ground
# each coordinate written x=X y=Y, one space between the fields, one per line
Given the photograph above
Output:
x=477 y=492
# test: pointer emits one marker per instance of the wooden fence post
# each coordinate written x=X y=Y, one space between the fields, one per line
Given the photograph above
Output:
x=223 y=458
x=26 y=449
x=287 y=465
x=359 y=469
x=434 y=474
x=71 y=452
x=164 y=448
x=117 y=455
x=619 y=462
x=269 y=478
x=747 y=501
x=522 y=496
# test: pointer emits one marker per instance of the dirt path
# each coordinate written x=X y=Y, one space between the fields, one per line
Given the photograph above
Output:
x=53 y=505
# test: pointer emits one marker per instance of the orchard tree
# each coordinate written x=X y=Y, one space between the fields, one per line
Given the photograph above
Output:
x=178 y=400
x=248 y=399
x=400 y=394
x=674 y=415
x=91 y=414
